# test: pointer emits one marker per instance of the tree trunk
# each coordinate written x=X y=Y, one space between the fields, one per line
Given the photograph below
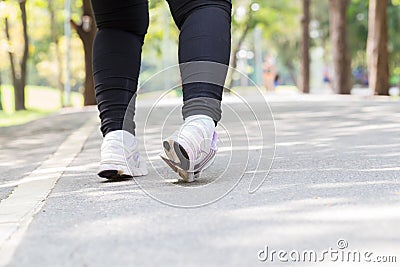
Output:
x=54 y=39
x=305 y=48
x=377 y=47
x=342 y=81
x=236 y=48
x=19 y=78
x=87 y=32
x=233 y=60
x=20 y=103
x=292 y=72
x=1 y=103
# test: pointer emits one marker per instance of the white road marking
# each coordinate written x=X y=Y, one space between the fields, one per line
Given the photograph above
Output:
x=17 y=211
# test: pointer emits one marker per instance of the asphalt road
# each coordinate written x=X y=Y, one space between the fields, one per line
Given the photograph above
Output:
x=335 y=176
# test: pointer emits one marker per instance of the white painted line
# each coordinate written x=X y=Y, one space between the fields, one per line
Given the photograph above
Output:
x=17 y=211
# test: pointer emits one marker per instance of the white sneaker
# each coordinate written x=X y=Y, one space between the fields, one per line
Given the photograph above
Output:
x=192 y=148
x=116 y=146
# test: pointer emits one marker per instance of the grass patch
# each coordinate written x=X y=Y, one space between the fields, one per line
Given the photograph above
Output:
x=40 y=101
x=20 y=117
x=39 y=98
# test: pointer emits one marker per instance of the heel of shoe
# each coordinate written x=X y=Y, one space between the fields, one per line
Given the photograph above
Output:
x=186 y=176
x=177 y=154
x=189 y=177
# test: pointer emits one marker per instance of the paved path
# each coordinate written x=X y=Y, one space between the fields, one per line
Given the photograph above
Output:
x=335 y=176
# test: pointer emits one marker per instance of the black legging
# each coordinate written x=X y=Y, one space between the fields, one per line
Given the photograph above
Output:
x=204 y=36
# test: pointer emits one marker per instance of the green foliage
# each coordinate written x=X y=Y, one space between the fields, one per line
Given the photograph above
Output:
x=282 y=32
x=280 y=22
x=20 y=117
x=394 y=38
x=358 y=31
x=357 y=18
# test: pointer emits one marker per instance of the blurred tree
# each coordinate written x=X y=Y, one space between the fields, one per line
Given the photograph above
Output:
x=305 y=48
x=161 y=45
x=377 y=47
x=357 y=28
x=342 y=81
x=243 y=20
x=358 y=23
x=321 y=27
x=283 y=34
x=19 y=75
x=278 y=20
x=48 y=46
x=86 y=30
x=357 y=17
x=55 y=35
x=394 y=40
x=1 y=100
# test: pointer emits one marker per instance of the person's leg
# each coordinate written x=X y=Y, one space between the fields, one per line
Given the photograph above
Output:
x=122 y=25
x=205 y=36
x=204 y=41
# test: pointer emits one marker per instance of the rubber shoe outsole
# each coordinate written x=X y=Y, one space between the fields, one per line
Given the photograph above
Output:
x=114 y=175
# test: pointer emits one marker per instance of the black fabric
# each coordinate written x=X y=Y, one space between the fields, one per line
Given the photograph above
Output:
x=204 y=36
x=127 y=15
x=116 y=66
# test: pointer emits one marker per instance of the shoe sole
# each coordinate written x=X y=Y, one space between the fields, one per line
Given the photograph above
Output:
x=186 y=176
x=178 y=160
x=114 y=175
x=177 y=154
